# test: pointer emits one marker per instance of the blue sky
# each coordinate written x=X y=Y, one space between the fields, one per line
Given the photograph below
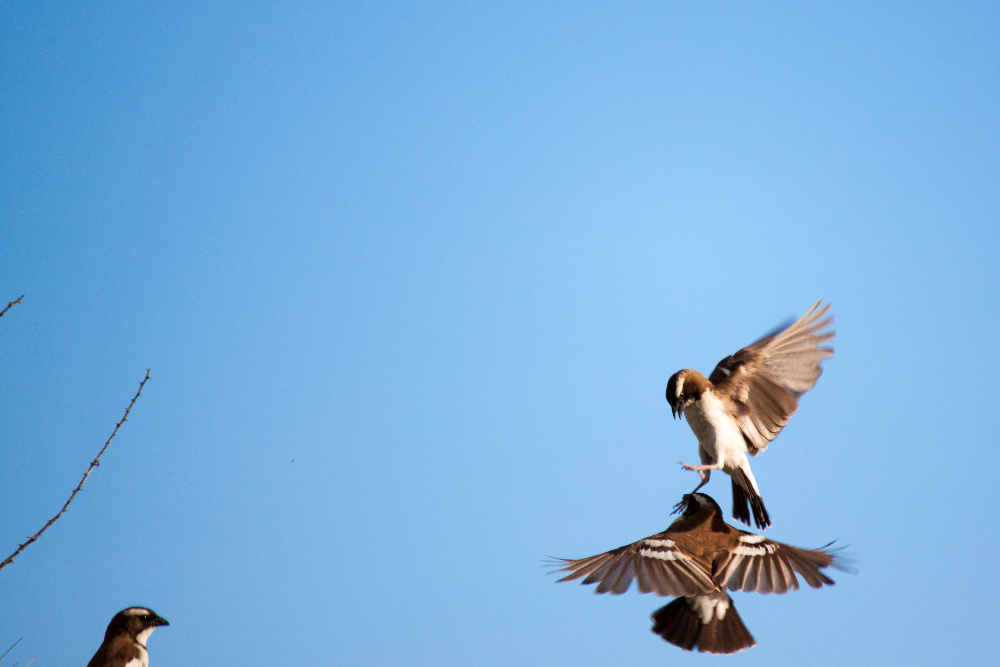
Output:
x=411 y=279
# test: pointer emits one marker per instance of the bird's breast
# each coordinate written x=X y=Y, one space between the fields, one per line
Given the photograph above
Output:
x=716 y=429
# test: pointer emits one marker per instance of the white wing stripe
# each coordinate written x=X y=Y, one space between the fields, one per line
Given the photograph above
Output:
x=662 y=555
x=666 y=542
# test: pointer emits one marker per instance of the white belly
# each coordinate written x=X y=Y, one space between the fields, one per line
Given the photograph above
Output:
x=143 y=659
x=717 y=432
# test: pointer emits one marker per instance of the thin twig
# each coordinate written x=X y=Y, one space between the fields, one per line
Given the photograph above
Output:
x=4 y=312
x=93 y=464
x=11 y=648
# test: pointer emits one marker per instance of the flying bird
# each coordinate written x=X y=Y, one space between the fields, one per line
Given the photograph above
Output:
x=747 y=400
x=125 y=639
x=697 y=559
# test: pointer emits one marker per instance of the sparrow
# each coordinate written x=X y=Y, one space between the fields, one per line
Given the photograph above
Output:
x=747 y=400
x=125 y=639
x=697 y=559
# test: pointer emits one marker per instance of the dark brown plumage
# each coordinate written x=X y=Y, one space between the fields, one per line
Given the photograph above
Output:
x=696 y=559
x=681 y=624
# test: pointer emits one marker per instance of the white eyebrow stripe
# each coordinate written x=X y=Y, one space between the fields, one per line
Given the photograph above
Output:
x=136 y=611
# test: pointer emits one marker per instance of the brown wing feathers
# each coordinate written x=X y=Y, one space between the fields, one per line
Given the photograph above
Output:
x=765 y=379
x=793 y=357
x=656 y=569
x=763 y=566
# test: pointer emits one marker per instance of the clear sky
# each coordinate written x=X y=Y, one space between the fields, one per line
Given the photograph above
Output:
x=411 y=279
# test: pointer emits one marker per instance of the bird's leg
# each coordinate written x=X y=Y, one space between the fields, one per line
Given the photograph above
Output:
x=704 y=466
x=705 y=474
x=704 y=471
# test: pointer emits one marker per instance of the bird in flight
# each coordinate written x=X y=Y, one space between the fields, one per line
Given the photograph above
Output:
x=697 y=559
x=747 y=400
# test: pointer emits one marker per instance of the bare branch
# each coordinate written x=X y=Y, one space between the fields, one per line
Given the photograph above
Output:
x=4 y=312
x=93 y=464
x=11 y=648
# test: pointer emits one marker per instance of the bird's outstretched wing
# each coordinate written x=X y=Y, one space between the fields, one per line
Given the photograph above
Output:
x=655 y=563
x=765 y=379
x=757 y=564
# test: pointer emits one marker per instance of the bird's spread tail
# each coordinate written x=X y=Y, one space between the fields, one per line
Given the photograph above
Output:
x=745 y=498
x=695 y=623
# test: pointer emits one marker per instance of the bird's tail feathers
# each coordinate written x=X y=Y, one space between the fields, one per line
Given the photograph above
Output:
x=679 y=624
x=746 y=497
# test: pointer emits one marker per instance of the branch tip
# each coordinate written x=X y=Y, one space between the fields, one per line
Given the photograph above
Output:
x=11 y=305
x=93 y=464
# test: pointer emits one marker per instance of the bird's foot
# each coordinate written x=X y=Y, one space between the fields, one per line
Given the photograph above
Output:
x=688 y=466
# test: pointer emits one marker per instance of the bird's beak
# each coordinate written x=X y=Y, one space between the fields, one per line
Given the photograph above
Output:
x=159 y=620
x=673 y=408
x=677 y=412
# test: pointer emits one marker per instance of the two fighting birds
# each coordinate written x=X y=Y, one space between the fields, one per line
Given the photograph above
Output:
x=737 y=410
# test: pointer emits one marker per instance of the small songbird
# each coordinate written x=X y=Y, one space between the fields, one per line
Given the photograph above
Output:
x=125 y=640
x=696 y=559
x=747 y=400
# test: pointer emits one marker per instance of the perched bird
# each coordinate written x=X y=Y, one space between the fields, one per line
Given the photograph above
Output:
x=125 y=640
x=747 y=400
x=696 y=559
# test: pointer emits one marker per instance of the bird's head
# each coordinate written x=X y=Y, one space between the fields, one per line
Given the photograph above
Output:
x=137 y=622
x=693 y=503
x=683 y=387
